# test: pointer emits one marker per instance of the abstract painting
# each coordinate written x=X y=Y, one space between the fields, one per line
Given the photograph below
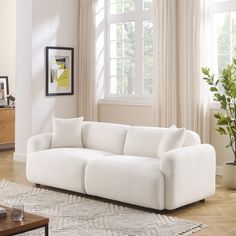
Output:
x=59 y=71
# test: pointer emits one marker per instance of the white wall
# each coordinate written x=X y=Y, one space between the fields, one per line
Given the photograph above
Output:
x=7 y=41
x=23 y=126
x=126 y=114
x=42 y=23
x=55 y=23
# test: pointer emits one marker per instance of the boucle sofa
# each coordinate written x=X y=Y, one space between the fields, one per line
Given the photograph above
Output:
x=120 y=162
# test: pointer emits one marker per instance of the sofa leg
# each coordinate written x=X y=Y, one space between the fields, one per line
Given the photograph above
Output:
x=202 y=201
x=37 y=185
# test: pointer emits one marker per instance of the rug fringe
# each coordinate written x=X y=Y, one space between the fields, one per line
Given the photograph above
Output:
x=193 y=229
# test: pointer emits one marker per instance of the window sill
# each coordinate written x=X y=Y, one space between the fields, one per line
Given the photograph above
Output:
x=135 y=102
x=125 y=102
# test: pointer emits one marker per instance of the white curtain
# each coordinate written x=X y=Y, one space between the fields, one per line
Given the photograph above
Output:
x=182 y=98
x=87 y=74
x=165 y=84
x=193 y=99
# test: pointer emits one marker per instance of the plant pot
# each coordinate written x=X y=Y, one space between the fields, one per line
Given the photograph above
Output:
x=229 y=175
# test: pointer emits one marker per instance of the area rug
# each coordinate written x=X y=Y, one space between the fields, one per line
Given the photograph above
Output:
x=70 y=214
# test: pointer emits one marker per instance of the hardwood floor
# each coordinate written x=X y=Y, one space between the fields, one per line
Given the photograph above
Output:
x=217 y=212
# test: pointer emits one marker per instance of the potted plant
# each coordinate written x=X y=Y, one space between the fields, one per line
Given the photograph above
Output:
x=224 y=92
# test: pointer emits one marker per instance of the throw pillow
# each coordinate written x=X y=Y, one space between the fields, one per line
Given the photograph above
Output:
x=172 y=139
x=67 y=132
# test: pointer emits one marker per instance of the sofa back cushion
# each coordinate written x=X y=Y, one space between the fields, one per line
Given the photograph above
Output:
x=104 y=136
x=144 y=141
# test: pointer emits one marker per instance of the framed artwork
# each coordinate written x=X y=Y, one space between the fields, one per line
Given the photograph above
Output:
x=4 y=90
x=59 y=71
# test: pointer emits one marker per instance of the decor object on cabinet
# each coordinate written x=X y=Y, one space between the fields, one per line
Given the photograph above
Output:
x=4 y=90
x=224 y=92
x=11 y=100
x=59 y=71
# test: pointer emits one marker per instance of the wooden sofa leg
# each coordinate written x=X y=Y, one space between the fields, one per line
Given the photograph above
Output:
x=37 y=185
x=202 y=201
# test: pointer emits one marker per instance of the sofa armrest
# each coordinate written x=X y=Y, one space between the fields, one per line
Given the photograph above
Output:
x=39 y=142
x=189 y=174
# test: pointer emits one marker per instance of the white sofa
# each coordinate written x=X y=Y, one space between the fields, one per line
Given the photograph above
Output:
x=120 y=162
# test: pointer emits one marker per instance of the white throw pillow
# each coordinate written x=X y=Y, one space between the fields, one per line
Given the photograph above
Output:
x=172 y=139
x=67 y=132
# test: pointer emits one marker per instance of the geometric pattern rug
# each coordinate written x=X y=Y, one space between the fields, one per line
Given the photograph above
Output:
x=74 y=215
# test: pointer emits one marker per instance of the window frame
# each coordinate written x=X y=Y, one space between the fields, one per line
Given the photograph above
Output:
x=223 y=6
x=214 y=7
x=138 y=51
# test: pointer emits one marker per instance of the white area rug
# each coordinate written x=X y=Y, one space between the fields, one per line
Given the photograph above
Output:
x=74 y=215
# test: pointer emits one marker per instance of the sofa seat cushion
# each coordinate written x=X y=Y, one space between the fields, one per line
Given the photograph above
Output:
x=132 y=179
x=61 y=167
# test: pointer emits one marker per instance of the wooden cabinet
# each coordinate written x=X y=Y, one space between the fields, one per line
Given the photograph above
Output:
x=7 y=125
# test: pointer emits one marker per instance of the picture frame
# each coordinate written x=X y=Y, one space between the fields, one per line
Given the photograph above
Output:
x=4 y=91
x=59 y=71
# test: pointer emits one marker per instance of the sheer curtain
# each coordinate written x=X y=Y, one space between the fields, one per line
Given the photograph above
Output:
x=165 y=84
x=87 y=53
x=192 y=99
x=182 y=98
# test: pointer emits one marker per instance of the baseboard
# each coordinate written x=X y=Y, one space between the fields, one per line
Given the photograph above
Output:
x=219 y=170
x=19 y=157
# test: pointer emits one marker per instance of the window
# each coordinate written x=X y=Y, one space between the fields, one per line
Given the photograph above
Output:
x=128 y=47
x=224 y=33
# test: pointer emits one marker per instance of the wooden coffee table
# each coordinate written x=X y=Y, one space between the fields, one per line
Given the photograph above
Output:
x=30 y=222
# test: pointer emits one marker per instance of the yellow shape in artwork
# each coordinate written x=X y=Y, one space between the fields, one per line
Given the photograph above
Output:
x=63 y=78
x=61 y=65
